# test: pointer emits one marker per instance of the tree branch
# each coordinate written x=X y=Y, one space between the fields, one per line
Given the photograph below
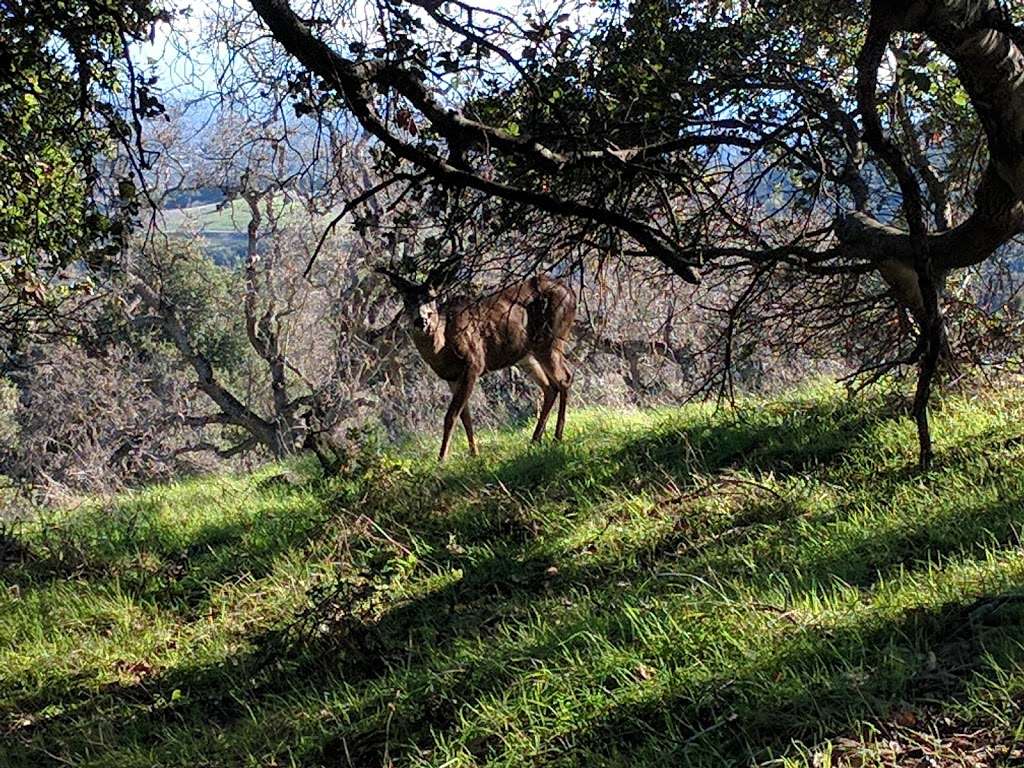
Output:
x=353 y=82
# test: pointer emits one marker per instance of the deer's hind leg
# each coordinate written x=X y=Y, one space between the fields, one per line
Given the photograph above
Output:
x=560 y=376
x=467 y=420
x=537 y=373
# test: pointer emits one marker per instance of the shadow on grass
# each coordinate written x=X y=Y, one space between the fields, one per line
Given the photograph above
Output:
x=93 y=544
x=149 y=557
x=857 y=676
x=798 y=436
x=826 y=679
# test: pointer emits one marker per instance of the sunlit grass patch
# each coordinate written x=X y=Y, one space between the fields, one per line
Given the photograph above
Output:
x=682 y=586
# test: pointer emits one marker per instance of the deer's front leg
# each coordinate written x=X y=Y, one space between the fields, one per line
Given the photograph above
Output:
x=467 y=422
x=461 y=390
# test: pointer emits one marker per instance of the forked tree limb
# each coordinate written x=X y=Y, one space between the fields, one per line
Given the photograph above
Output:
x=929 y=316
x=232 y=410
x=976 y=36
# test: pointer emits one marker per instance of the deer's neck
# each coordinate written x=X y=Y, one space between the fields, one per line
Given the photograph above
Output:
x=431 y=345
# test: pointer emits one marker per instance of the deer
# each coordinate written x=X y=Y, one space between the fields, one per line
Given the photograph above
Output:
x=527 y=325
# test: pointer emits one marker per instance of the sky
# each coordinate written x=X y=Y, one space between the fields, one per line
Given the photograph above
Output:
x=185 y=68
x=178 y=72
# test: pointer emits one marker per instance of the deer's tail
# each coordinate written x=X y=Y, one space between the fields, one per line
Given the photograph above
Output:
x=551 y=313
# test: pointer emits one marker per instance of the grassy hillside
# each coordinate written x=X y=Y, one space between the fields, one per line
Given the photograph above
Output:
x=232 y=216
x=226 y=217
x=223 y=226
x=681 y=587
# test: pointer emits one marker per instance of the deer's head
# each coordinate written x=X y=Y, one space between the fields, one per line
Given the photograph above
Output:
x=419 y=301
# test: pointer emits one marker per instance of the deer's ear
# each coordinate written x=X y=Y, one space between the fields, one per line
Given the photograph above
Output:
x=443 y=274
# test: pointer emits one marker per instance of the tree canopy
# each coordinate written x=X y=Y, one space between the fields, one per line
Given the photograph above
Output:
x=69 y=95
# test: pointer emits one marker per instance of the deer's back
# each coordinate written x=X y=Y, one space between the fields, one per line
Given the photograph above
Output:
x=528 y=318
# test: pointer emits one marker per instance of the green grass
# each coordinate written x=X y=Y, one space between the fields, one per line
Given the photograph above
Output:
x=231 y=217
x=679 y=587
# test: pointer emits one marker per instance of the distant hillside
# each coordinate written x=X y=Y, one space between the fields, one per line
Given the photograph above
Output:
x=222 y=225
x=231 y=217
x=189 y=198
x=679 y=587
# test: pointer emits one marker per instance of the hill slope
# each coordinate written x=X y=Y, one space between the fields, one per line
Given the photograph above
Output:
x=667 y=588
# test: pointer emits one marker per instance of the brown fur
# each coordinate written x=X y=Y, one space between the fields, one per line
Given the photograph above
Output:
x=527 y=324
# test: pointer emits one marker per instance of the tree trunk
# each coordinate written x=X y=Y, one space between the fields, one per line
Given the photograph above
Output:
x=987 y=50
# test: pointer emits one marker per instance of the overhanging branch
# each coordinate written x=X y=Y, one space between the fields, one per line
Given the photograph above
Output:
x=354 y=80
